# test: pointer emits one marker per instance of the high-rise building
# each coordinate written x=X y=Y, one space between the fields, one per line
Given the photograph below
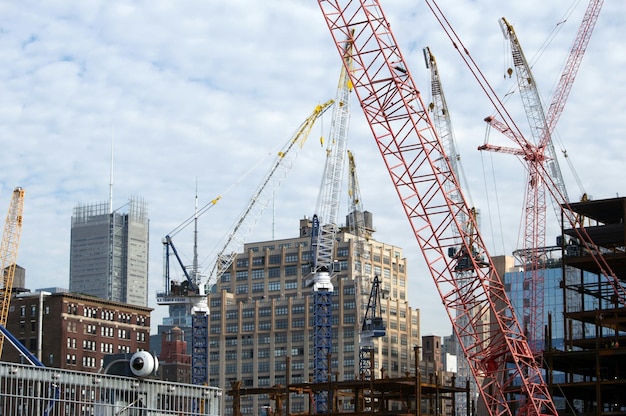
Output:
x=109 y=252
x=262 y=316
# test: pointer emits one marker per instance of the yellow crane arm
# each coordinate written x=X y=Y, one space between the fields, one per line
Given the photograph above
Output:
x=8 y=252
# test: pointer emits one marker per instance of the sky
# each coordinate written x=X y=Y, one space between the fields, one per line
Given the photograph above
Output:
x=197 y=96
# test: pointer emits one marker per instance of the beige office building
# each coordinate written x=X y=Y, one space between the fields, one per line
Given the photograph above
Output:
x=262 y=313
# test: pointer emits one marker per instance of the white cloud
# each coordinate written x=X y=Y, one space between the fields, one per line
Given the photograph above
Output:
x=199 y=90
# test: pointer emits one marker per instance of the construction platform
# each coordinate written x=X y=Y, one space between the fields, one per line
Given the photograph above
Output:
x=367 y=396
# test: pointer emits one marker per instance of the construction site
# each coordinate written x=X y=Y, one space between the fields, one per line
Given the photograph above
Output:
x=321 y=324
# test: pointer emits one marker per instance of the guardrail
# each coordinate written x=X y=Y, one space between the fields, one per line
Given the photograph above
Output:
x=27 y=390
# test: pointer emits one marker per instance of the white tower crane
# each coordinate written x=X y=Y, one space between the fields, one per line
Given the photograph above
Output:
x=324 y=230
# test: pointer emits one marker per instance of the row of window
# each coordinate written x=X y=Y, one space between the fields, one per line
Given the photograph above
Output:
x=92 y=312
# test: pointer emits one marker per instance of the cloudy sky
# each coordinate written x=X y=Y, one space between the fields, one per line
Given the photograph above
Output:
x=194 y=93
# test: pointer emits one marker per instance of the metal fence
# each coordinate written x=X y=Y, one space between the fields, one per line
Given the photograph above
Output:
x=27 y=390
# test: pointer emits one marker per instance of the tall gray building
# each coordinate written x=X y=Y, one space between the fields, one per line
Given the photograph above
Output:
x=109 y=252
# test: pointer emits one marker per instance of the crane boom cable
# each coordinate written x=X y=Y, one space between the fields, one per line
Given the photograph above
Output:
x=199 y=211
x=282 y=163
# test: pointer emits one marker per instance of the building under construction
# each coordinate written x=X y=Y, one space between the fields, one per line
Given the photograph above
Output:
x=587 y=371
x=422 y=391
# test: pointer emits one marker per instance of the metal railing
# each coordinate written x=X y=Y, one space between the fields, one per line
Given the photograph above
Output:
x=27 y=390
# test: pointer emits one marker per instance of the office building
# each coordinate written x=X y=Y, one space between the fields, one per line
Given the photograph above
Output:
x=71 y=331
x=262 y=316
x=109 y=252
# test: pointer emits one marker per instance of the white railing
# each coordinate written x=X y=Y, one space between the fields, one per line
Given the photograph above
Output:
x=27 y=390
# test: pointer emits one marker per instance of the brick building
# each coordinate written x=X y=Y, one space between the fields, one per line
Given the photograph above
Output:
x=174 y=362
x=71 y=331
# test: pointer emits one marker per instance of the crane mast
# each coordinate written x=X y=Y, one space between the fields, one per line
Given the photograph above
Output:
x=8 y=252
x=412 y=153
x=372 y=325
x=325 y=229
x=443 y=126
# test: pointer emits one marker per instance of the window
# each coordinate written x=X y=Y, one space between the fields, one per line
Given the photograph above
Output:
x=242 y=275
x=291 y=257
x=275 y=259
x=281 y=310
x=241 y=289
x=291 y=284
x=258 y=287
x=258 y=274
x=273 y=272
x=258 y=261
x=343 y=251
x=273 y=286
x=291 y=270
x=242 y=263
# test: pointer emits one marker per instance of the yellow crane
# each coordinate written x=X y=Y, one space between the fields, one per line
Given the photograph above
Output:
x=8 y=252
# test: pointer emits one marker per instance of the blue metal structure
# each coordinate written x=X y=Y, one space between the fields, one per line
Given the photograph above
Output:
x=21 y=348
x=200 y=349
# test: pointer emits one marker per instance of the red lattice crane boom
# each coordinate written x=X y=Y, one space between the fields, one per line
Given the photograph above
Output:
x=413 y=155
x=8 y=253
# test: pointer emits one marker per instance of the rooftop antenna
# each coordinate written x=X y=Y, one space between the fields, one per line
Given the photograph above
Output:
x=196 y=278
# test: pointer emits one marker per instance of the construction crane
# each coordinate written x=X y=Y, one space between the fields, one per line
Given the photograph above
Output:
x=540 y=152
x=413 y=155
x=194 y=290
x=511 y=130
x=372 y=327
x=443 y=126
x=8 y=252
x=372 y=324
x=324 y=230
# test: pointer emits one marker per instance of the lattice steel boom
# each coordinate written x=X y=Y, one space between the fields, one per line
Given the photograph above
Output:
x=8 y=252
x=412 y=153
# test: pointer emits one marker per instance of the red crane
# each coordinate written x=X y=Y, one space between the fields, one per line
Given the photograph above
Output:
x=422 y=175
x=509 y=128
x=540 y=157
